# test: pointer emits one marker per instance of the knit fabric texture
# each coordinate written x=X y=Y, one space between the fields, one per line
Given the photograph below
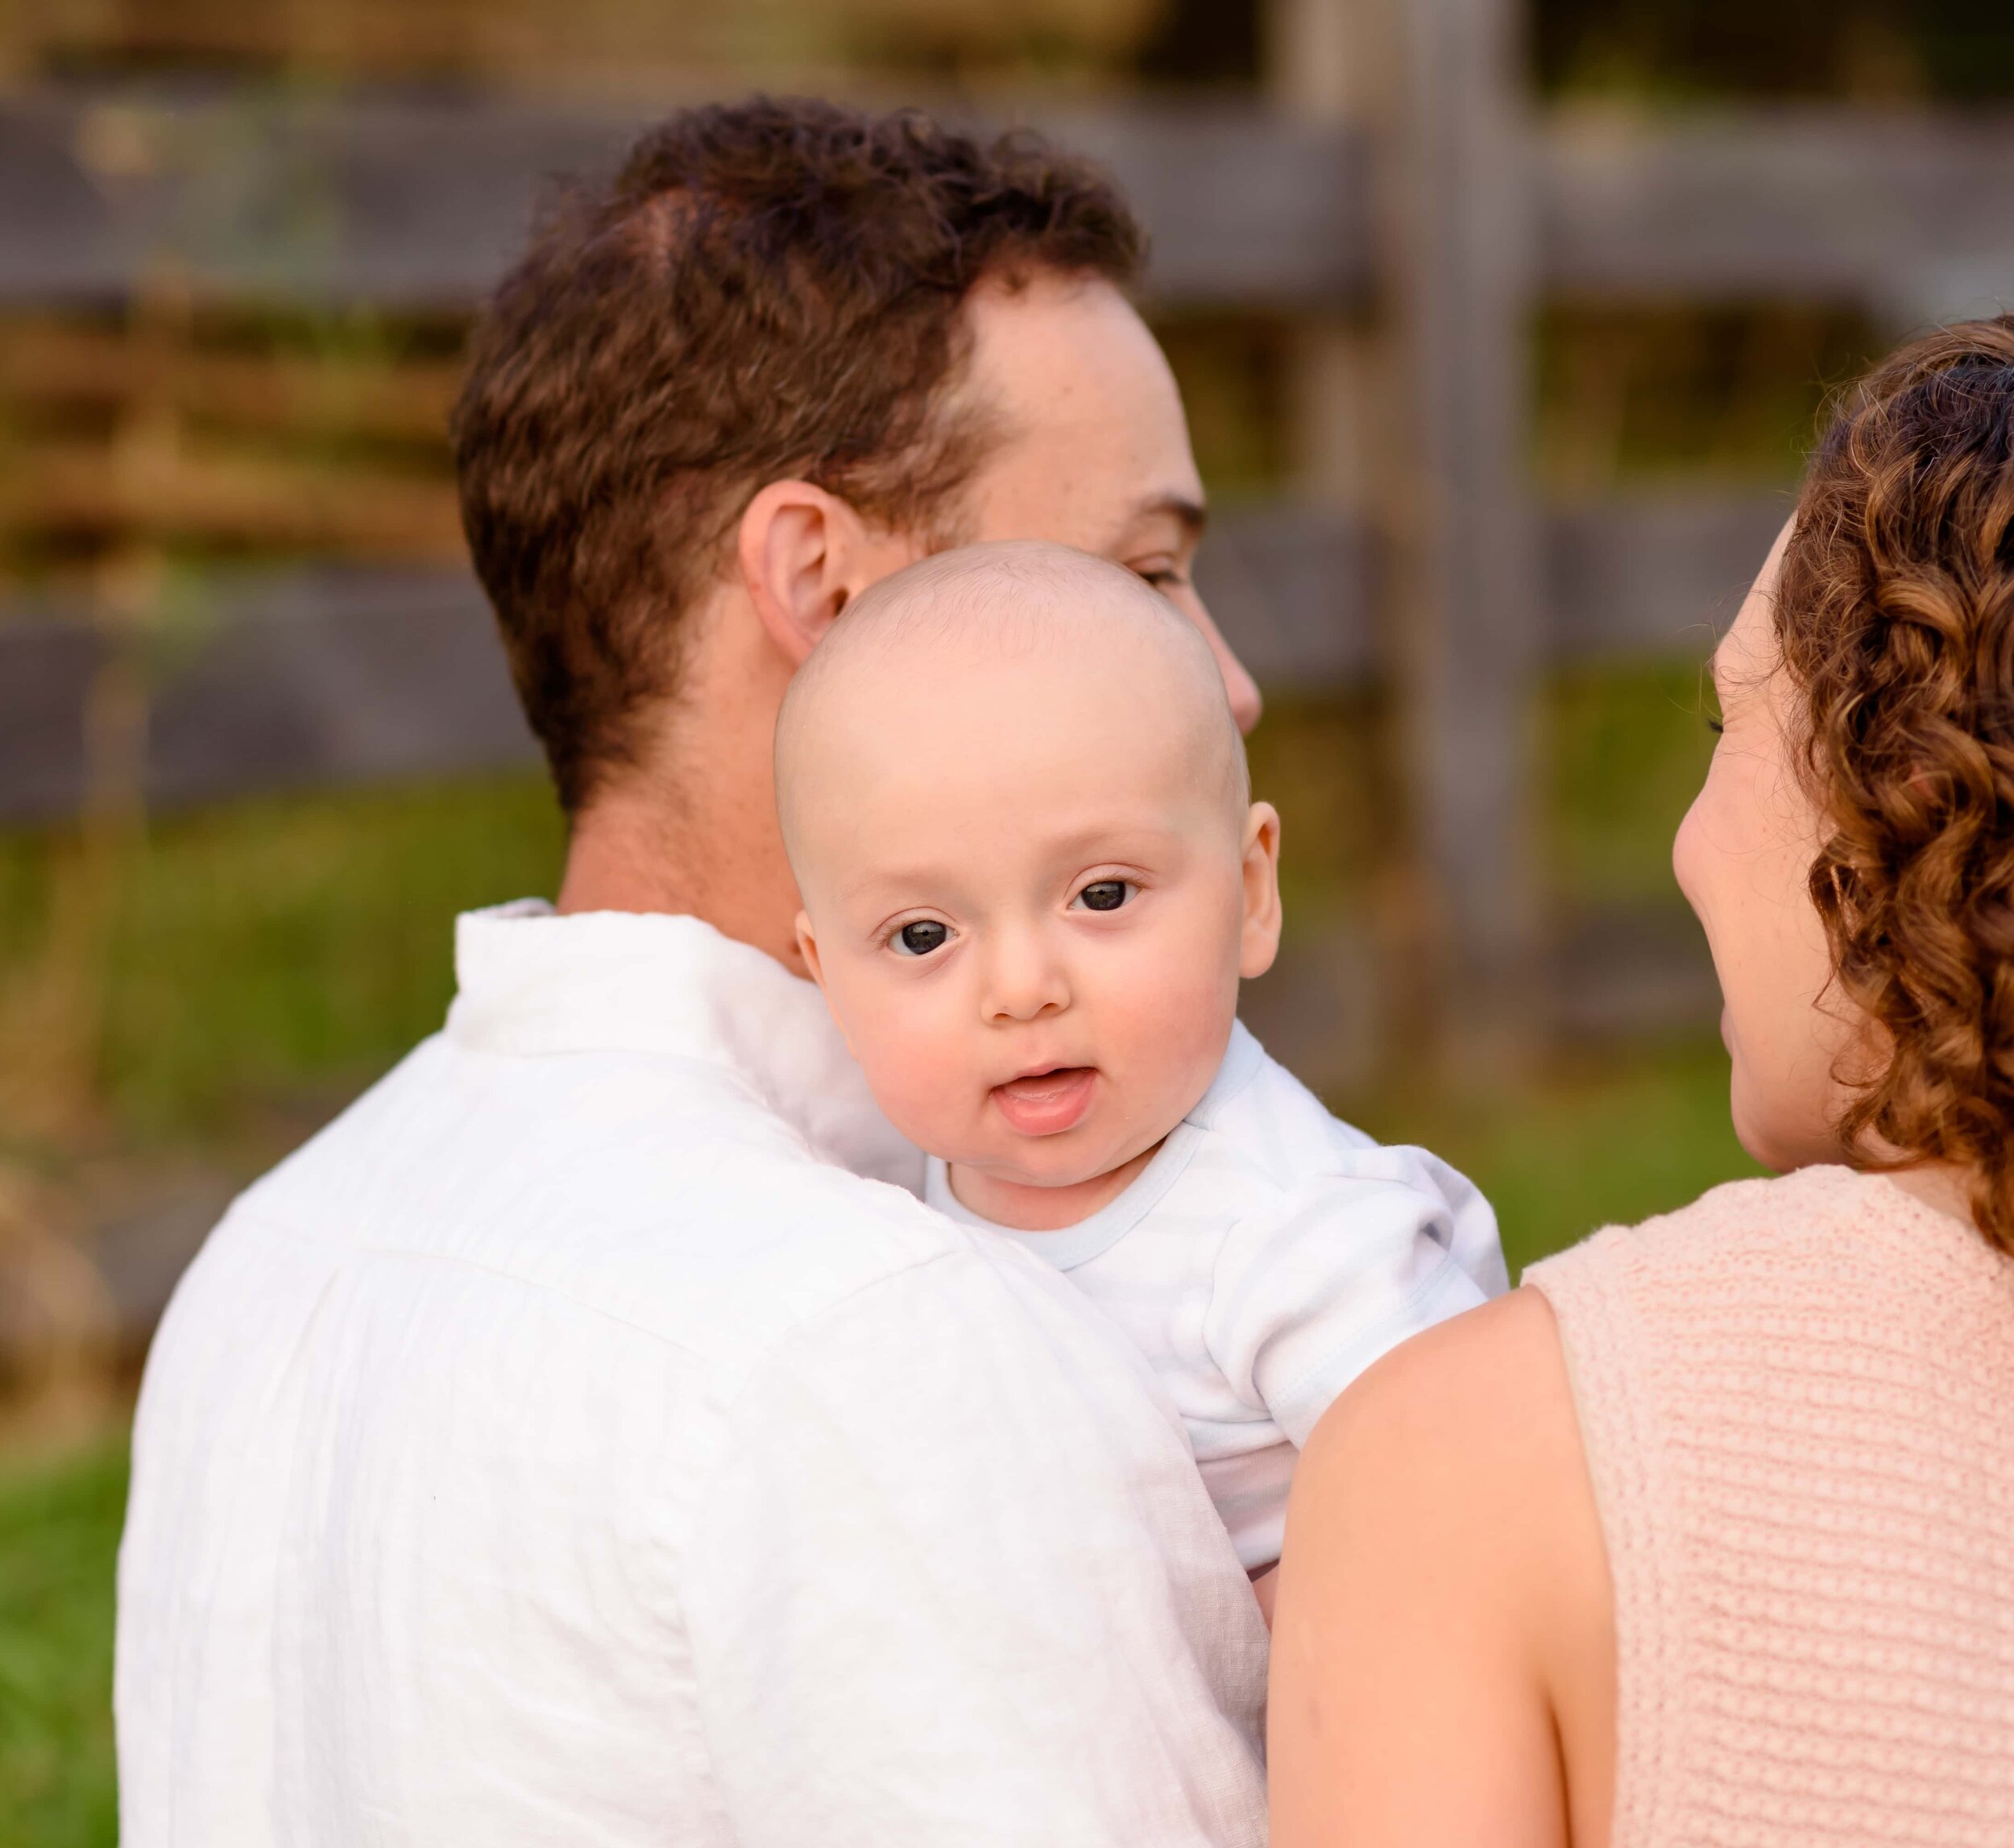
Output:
x=1796 y=1398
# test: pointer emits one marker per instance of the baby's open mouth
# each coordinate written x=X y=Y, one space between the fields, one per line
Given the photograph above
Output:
x=1047 y=1103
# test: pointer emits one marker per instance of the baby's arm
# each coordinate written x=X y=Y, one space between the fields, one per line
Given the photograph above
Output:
x=1265 y=1582
x=1311 y=1293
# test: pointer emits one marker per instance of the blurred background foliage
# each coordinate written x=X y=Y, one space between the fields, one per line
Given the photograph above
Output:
x=189 y=995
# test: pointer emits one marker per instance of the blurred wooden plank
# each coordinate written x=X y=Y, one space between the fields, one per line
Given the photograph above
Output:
x=1908 y=211
x=1469 y=616
x=325 y=677
x=1244 y=207
x=52 y=363
x=1655 y=576
x=1622 y=972
x=46 y=669
x=351 y=676
x=1295 y=589
x=340 y=675
x=423 y=201
x=418 y=203
x=180 y=490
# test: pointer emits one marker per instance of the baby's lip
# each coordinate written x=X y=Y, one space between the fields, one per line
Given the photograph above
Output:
x=1047 y=1103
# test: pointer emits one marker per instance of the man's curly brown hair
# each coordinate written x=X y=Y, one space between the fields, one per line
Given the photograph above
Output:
x=1894 y=615
x=765 y=290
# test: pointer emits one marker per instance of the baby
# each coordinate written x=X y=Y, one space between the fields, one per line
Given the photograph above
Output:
x=1033 y=875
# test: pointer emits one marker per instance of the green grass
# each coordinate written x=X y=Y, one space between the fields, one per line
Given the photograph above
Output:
x=1593 y=1143
x=1622 y=751
x=59 y=1537
x=288 y=944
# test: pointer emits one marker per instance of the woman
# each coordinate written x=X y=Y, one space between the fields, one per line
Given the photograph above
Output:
x=1707 y=1535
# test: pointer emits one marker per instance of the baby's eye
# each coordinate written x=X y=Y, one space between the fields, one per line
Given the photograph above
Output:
x=1105 y=894
x=921 y=937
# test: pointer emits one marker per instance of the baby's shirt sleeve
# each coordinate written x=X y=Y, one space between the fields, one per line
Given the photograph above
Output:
x=1312 y=1290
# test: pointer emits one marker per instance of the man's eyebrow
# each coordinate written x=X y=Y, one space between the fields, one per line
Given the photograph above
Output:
x=1190 y=514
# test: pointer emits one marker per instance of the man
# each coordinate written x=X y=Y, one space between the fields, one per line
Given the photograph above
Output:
x=579 y=1440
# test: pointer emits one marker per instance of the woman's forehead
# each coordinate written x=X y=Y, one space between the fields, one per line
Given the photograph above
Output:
x=1747 y=652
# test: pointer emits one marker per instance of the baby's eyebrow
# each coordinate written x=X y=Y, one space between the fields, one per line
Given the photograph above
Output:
x=1125 y=845
x=875 y=878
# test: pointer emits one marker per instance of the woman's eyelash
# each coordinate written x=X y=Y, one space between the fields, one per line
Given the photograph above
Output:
x=1718 y=727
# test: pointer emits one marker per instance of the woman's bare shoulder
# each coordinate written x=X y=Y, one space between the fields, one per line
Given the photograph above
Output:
x=1445 y=1561
x=1475 y=1411
x=1467 y=1433
x=1471 y=1381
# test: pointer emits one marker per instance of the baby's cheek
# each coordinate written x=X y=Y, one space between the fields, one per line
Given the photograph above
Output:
x=923 y=1086
x=1175 y=1011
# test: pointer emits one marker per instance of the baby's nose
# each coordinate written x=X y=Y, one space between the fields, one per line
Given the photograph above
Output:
x=1025 y=982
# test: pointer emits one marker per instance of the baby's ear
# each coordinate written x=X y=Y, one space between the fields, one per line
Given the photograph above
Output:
x=1260 y=942
x=808 y=946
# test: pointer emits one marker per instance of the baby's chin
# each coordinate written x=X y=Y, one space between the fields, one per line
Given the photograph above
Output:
x=1064 y=1170
x=1057 y=1165
x=1077 y=1177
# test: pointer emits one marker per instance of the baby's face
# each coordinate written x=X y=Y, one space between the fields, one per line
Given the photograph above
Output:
x=1029 y=896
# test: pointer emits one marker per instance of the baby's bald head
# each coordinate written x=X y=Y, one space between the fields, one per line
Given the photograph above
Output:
x=1062 y=634
x=1015 y=802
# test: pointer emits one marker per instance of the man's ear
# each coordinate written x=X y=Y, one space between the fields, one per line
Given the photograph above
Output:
x=1260 y=942
x=803 y=554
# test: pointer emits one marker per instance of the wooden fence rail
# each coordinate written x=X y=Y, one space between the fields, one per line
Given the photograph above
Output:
x=423 y=204
x=418 y=204
x=326 y=677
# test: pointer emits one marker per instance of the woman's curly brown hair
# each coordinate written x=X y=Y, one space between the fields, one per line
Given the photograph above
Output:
x=1894 y=615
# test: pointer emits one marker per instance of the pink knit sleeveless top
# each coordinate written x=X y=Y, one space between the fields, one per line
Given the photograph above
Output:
x=1797 y=1401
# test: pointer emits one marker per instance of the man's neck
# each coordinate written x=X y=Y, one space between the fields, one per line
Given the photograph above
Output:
x=632 y=855
x=691 y=829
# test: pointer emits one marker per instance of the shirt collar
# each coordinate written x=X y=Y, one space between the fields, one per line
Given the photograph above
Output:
x=531 y=983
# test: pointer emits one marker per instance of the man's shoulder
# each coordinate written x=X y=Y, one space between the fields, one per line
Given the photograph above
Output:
x=655 y=1189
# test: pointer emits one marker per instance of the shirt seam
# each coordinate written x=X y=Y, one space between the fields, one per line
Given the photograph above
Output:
x=1403 y=1313
x=1281 y=1197
x=1256 y=1062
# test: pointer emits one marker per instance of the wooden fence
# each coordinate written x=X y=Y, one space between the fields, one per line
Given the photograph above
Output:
x=1415 y=209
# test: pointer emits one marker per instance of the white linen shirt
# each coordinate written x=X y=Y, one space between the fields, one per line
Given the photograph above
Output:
x=1264 y=1257
x=564 y=1447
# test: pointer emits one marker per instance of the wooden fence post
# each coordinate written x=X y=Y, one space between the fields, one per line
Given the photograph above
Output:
x=1329 y=1012
x=1322 y=70
x=1465 y=613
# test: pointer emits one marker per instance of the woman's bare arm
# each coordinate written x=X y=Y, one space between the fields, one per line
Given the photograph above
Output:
x=1444 y=1651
